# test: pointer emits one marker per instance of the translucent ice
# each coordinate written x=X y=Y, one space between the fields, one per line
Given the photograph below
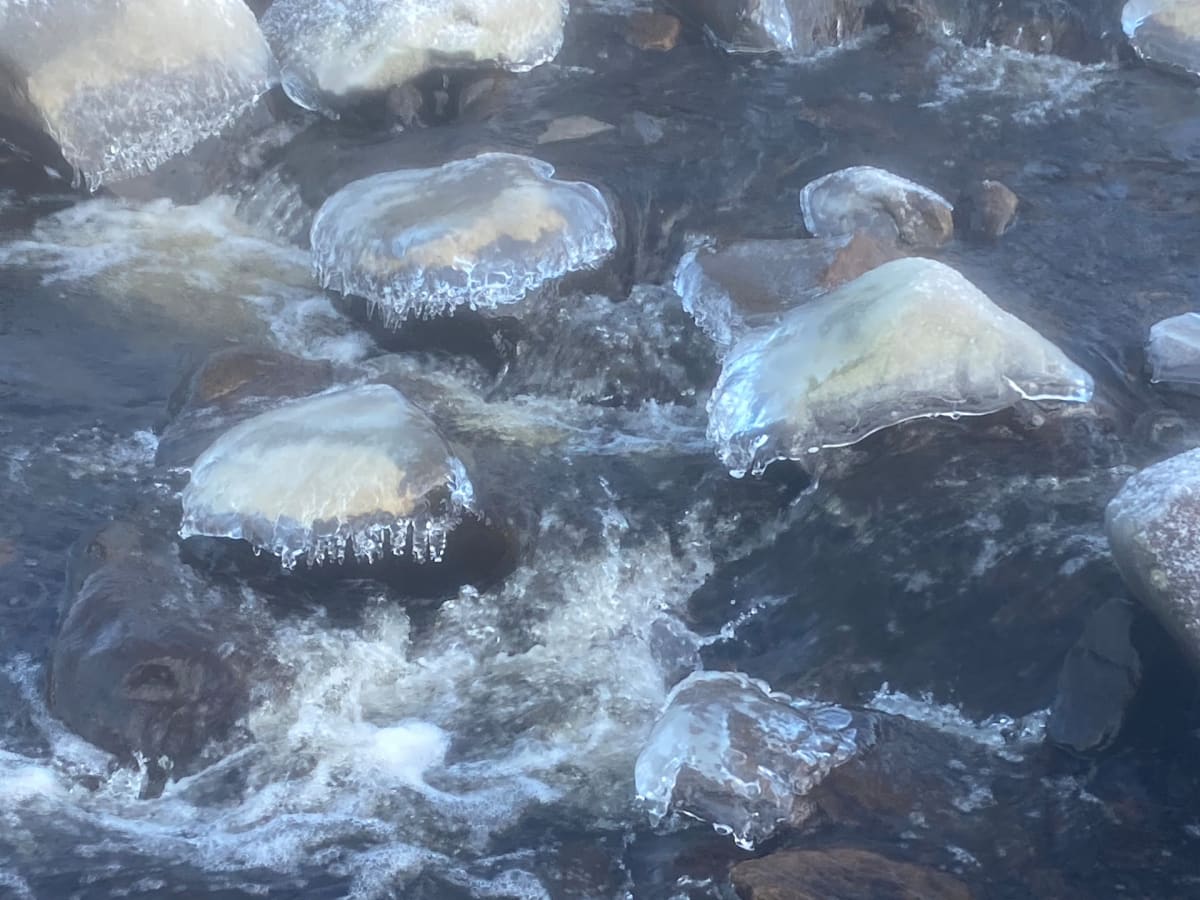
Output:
x=863 y=198
x=1164 y=31
x=731 y=752
x=1173 y=350
x=799 y=26
x=910 y=339
x=334 y=48
x=479 y=232
x=123 y=85
x=360 y=465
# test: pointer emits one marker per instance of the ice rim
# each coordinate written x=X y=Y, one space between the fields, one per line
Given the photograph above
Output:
x=422 y=535
x=419 y=292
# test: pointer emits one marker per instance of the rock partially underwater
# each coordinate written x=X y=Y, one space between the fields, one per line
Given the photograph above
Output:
x=796 y=26
x=1173 y=352
x=910 y=339
x=331 y=50
x=864 y=198
x=729 y=751
x=1166 y=32
x=124 y=85
x=358 y=472
x=481 y=233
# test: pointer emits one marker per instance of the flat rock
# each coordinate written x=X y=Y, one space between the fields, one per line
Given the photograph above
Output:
x=841 y=873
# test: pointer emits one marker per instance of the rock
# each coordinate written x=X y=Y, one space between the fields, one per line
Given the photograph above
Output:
x=864 y=198
x=331 y=51
x=480 y=233
x=1153 y=527
x=985 y=210
x=355 y=472
x=148 y=662
x=729 y=751
x=653 y=31
x=1166 y=32
x=910 y=339
x=1098 y=680
x=799 y=26
x=125 y=87
x=862 y=253
x=841 y=873
x=1173 y=352
x=572 y=128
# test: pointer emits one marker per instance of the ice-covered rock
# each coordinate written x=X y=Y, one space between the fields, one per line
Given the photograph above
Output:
x=359 y=470
x=329 y=49
x=798 y=26
x=730 y=751
x=1165 y=32
x=751 y=283
x=864 y=198
x=123 y=85
x=1153 y=528
x=1173 y=351
x=910 y=339
x=481 y=232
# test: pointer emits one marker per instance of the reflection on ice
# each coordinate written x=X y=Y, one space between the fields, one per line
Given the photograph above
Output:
x=359 y=470
x=910 y=339
x=481 y=232
x=730 y=751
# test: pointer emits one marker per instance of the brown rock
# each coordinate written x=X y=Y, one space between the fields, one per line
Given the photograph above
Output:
x=230 y=375
x=841 y=873
x=864 y=253
x=653 y=31
x=985 y=210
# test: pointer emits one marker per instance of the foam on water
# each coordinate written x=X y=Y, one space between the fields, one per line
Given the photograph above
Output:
x=123 y=85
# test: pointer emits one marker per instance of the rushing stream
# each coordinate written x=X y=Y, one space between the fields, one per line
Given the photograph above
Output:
x=480 y=737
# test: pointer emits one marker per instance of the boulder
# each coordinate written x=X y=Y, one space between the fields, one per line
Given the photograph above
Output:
x=1166 y=32
x=864 y=198
x=796 y=26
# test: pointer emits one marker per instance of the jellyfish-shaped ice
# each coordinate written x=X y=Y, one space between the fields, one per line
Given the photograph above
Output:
x=360 y=468
x=1173 y=351
x=910 y=339
x=336 y=48
x=730 y=751
x=1164 y=31
x=123 y=85
x=864 y=198
x=481 y=232
x=798 y=26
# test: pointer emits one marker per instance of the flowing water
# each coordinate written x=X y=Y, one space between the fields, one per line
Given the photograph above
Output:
x=485 y=747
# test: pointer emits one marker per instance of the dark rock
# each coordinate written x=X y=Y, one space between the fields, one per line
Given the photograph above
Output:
x=841 y=873
x=985 y=210
x=1099 y=678
x=653 y=31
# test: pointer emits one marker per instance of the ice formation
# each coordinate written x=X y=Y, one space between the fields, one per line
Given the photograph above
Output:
x=864 y=198
x=123 y=85
x=910 y=339
x=480 y=232
x=1164 y=31
x=1173 y=350
x=731 y=752
x=359 y=469
x=798 y=26
x=334 y=48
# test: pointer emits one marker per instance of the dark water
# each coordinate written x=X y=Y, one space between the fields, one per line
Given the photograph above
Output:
x=956 y=561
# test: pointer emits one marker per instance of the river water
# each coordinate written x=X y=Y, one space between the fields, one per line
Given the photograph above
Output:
x=485 y=747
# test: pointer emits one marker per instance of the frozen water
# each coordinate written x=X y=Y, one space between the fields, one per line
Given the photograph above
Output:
x=793 y=26
x=359 y=465
x=123 y=85
x=864 y=198
x=334 y=48
x=731 y=752
x=1164 y=31
x=1173 y=350
x=481 y=232
x=910 y=339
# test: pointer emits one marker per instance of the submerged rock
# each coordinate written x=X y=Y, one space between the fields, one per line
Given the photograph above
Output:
x=1165 y=32
x=841 y=873
x=799 y=26
x=330 y=50
x=653 y=31
x=124 y=86
x=1098 y=680
x=910 y=339
x=1153 y=528
x=1173 y=351
x=481 y=233
x=356 y=472
x=864 y=198
x=985 y=210
x=143 y=665
x=729 y=751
